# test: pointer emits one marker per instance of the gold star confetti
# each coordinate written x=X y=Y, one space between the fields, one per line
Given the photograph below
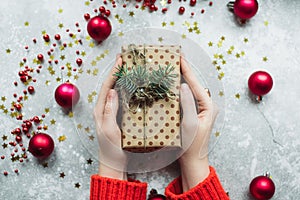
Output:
x=4 y=145
x=70 y=44
x=163 y=3
x=223 y=62
x=222 y=38
x=60 y=25
x=190 y=29
x=221 y=93
x=87 y=3
x=160 y=39
x=266 y=23
x=71 y=114
x=47 y=82
x=62 y=57
x=242 y=53
x=87 y=129
x=45 y=164
x=210 y=44
x=265 y=59
x=92 y=44
x=246 y=40
x=52 y=121
x=237 y=55
x=8 y=51
x=95 y=72
x=218 y=67
x=131 y=13
x=229 y=51
x=62 y=138
x=62 y=175
x=214 y=62
x=4 y=137
x=47 y=110
x=91 y=138
x=237 y=95
x=220 y=44
x=77 y=185
x=79 y=126
x=76 y=77
x=120 y=34
x=3 y=98
x=172 y=23
x=221 y=75
x=163 y=24
x=60 y=10
x=183 y=36
x=83 y=53
x=58 y=79
x=26 y=23
x=120 y=21
x=89 y=161
x=217 y=134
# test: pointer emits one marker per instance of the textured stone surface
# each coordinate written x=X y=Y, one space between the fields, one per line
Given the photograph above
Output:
x=255 y=137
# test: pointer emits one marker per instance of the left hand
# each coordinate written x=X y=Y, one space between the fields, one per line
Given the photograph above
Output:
x=113 y=160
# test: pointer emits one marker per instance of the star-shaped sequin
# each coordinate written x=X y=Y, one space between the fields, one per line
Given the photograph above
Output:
x=62 y=175
x=77 y=185
x=89 y=161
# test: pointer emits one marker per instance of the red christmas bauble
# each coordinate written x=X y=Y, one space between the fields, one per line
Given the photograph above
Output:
x=245 y=9
x=158 y=197
x=262 y=188
x=99 y=28
x=41 y=145
x=67 y=95
x=260 y=83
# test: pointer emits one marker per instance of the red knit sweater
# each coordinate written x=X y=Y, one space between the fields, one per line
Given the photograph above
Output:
x=113 y=189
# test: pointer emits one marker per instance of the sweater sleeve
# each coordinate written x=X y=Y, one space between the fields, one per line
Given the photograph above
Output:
x=103 y=188
x=209 y=189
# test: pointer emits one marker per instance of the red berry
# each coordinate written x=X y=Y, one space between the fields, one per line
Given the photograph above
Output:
x=18 y=139
x=30 y=89
x=193 y=2
x=5 y=173
x=102 y=9
x=40 y=57
x=181 y=10
x=86 y=16
x=79 y=61
x=57 y=37
x=107 y=13
x=46 y=38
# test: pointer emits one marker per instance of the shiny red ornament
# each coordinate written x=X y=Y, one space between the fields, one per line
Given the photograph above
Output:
x=262 y=188
x=30 y=89
x=260 y=83
x=99 y=28
x=155 y=196
x=244 y=9
x=46 y=37
x=57 y=37
x=41 y=145
x=67 y=95
x=40 y=57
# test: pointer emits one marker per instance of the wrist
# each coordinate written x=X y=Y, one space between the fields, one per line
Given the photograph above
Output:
x=109 y=172
x=193 y=172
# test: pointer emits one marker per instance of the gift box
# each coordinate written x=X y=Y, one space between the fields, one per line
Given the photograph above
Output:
x=150 y=102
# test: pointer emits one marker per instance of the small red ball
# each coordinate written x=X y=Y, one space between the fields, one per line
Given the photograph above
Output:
x=86 y=16
x=181 y=10
x=107 y=13
x=30 y=89
x=67 y=95
x=102 y=9
x=193 y=2
x=262 y=188
x=57 y=37
x=18 y=139
x=260 y=83
x=99 y=28
x=245 y=9
x=41 y=145
x=40 y=57
x=46 y=37
x=79 y=61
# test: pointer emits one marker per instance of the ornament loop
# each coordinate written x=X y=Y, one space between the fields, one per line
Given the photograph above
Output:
x=230 y=5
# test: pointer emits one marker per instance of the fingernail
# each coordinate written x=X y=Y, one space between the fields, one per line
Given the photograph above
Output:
x=111 y=94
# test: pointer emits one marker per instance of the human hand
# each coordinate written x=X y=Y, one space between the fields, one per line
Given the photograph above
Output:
x=113 y=160
x=197 y=123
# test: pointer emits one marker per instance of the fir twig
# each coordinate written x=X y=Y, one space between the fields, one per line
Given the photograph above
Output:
x=141 y=87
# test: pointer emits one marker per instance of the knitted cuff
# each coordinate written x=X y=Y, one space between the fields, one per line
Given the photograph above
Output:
x=103 y=188
x=209 y=189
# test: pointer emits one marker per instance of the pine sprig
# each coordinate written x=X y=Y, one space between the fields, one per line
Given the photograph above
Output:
x=140 y=87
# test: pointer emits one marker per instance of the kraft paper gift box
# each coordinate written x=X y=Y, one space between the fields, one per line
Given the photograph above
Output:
x=154 y=126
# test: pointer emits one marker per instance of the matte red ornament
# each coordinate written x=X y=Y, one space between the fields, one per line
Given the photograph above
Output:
x=244 y=9
x=262 y=188
x=99 y=28
x=67 y=95
x=260 y=83
x=41 y=145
